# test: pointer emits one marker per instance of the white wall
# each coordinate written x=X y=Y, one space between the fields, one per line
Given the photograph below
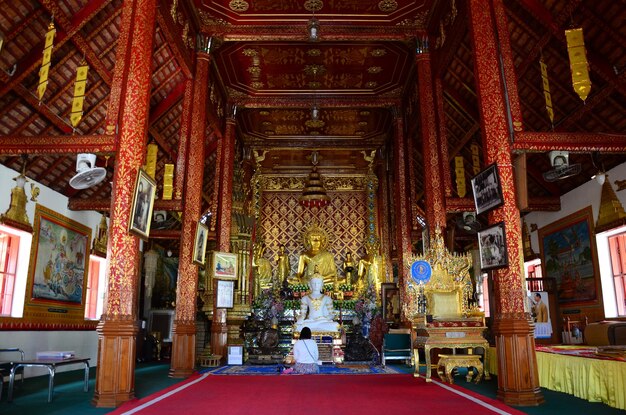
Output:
x=84 y=343
x=579 y=198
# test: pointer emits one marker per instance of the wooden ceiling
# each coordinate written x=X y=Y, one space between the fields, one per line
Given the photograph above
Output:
x=360 y=74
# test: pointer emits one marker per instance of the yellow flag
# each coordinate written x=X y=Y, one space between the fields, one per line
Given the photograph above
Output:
x=459 y=169
x=546 y=89
x=578 y=62
x=151 y=159
x=45 y=62
x=80 y=85
x=168 y=180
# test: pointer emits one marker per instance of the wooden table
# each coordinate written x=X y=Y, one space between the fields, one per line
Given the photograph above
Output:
x=51 y=365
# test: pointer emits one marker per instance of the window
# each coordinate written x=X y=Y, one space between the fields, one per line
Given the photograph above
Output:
x=617 y=247
x=14 y=259
x=94 y=296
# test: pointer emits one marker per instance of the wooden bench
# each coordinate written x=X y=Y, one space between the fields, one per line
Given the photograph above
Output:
x=447 y=363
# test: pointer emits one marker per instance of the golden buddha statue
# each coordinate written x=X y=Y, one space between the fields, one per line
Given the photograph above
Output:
x=316 y=257
x=348 y=268
x=262 y=269
x=282 y=264
x=370 y=267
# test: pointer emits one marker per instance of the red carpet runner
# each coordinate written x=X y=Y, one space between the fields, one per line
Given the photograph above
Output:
x=315 y=395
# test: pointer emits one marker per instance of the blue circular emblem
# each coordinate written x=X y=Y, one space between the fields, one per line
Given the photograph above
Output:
x=421 y=271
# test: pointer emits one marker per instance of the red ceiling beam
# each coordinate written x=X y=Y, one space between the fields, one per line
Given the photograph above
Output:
x=162 y=142
x=57 y=144
x=173 y=38
x=539 y=142
x=32 y=61
x=43 y=109
x=104 y=204
x=168 y=102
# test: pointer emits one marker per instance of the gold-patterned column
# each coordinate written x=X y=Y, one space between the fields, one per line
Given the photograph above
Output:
x=183 y=142
x=117 y=330
x=402 y=209
x=184 y=330
x=219 y=328
x=384 y=215
x=433 y=185
x=518 y=381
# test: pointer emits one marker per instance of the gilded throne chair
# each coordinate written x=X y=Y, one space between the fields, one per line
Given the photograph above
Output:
x=439 y=309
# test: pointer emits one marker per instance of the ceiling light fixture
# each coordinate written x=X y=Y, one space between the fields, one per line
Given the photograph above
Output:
x=314 y=193
x=313 y=29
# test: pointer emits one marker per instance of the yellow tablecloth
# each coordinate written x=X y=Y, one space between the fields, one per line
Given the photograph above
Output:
x=592 y=379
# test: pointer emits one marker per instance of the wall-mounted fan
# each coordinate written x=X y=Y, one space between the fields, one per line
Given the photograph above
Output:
x=561 y=168
x=87 y=173
x=468 y=222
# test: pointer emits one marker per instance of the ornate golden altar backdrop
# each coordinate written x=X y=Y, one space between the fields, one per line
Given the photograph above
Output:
x=282 y=221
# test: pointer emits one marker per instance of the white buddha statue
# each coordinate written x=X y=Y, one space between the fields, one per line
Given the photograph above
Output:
x=320 y=309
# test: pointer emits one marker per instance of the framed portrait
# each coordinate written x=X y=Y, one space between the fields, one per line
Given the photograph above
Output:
x=225 y=294
x=199 y=247
x=492 y=247
x=57 y=274
x=487 y=190
x=568 y=254
x=390 y=302
x=540 y=312
x=224 y=266
x=143 y=202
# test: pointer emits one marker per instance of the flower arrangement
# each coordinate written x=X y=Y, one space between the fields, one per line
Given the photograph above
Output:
x=299 y=289
x=365 y=307
x=269 y=305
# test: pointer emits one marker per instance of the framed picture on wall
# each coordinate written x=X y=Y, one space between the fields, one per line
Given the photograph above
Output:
x=199 y=247
x=487 y=190
x=143 y=202
x=224 y=266
x=390 y=302
x=569 y=256
x=492 y=247
x=225 y=294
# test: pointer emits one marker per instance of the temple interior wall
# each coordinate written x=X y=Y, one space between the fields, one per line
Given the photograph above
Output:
x=83 y=342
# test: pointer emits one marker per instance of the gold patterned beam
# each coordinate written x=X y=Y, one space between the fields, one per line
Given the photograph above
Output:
x=57 y=144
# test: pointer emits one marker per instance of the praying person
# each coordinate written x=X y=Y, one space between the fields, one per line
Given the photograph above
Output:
x=305 y=354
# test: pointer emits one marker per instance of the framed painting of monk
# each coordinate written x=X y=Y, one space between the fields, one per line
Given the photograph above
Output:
x=568 y=254
x=143 y=202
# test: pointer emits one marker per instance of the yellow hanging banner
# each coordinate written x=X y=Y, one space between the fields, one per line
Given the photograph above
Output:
x=80 y=86
x=168 y=180
x=45 y=62
x=151 y=159
x=475 y=159
x=459 y=169
x=578 y=62
x=546 y=89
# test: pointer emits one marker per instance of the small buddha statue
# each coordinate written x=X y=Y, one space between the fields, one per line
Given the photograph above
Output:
x=348 y=268
x=370 y=267
x=316 y=257
x=282 y=263
x=262 y=269
x=316 y=309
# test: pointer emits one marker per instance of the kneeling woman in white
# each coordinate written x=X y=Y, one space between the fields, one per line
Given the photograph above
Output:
x=305 y=353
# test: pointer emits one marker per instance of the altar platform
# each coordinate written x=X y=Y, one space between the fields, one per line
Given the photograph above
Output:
x=591 y=373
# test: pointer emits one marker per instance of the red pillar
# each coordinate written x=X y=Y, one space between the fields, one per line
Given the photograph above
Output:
x=183 y=142
x=433 y=186
x=226 y=149
x=129 y=111
x=443 y=140
x=402 y=208
x=184 y=330
x=518 y=380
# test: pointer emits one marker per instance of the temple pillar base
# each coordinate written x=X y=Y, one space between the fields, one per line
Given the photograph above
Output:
x=183 y=349
x=518 y=378
x=115 y=374
x=219 y=333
